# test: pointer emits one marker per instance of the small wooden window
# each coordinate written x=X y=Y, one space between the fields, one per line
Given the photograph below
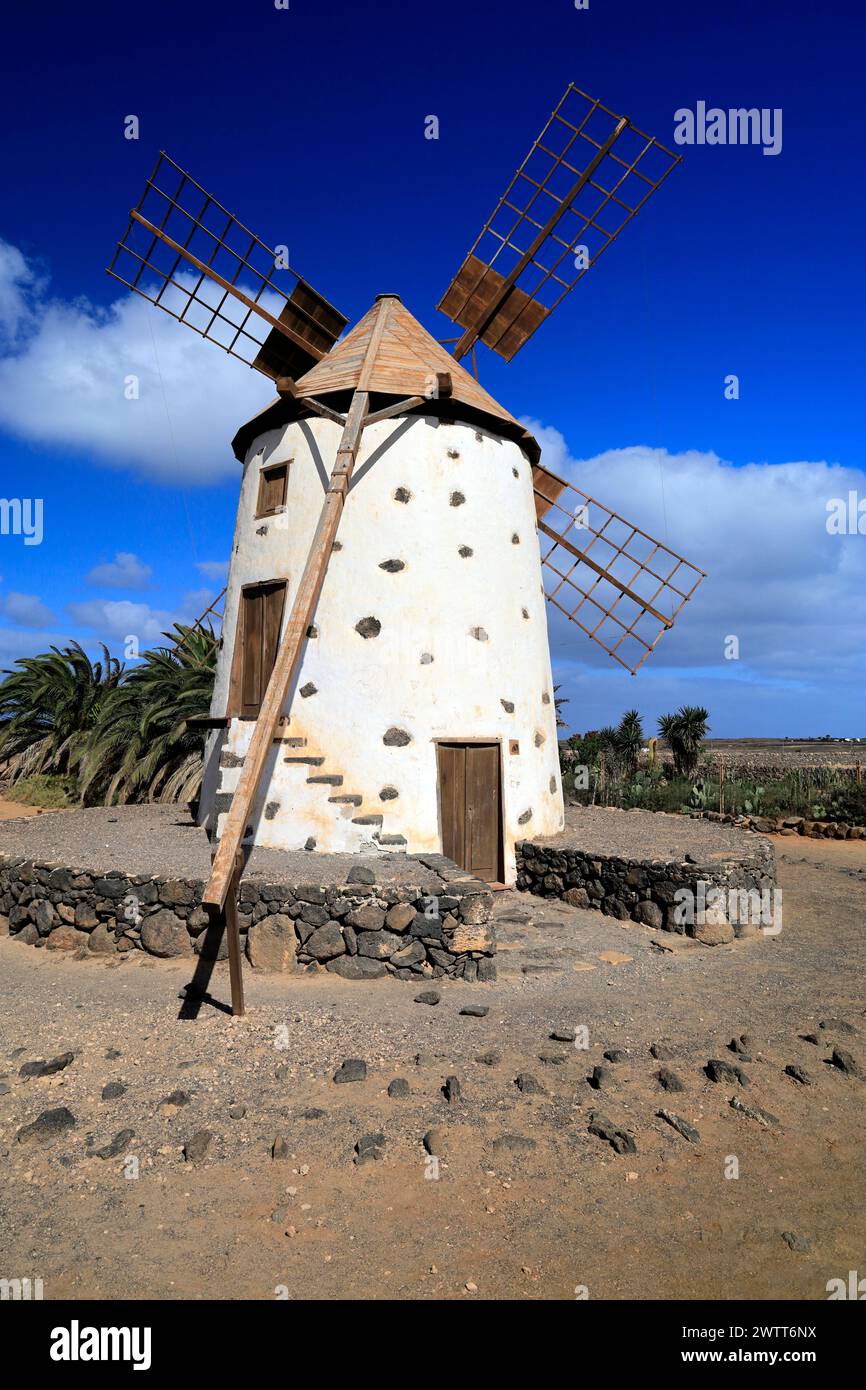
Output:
x=272 y=489
x=256 y=642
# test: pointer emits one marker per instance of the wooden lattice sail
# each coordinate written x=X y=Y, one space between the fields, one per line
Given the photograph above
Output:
x=586 y=176
x=619 y=585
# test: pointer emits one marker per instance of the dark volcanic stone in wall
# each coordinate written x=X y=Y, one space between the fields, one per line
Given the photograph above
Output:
x=644 y=892
x=390 y=928
x=396 y=738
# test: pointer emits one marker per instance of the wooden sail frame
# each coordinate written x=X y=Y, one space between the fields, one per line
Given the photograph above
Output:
x=183 y=251
x=589 y=172
x=616 y=582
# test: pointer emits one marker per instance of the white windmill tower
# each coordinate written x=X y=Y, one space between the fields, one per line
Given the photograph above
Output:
x=407 y=701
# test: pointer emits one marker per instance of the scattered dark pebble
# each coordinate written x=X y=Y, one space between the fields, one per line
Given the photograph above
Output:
x=620 y=1141
x=489 y=1059
x=177 y=1098
x=798 y=1243
x=680 y=1125
x=435 y=1141
x=428 y=996
x=280 y=1147
x=475 y=1011
x=113 y=1090
x=43 y=1068
x=718 y=1070
x=370 y=1148
x=529 y=1085
x=237 y=1111
x=47 y=1126
x=117 y=1145
x=563 y=1035
x=753 y=1112
x=513 y=1144
x=844 y=1062
x=399 y=1088
x=668 y=1080
x=451 y=1089
x=615 y=1054
x=799 y=1074
x=195 y=1149
x=352 y=1069
x=600 y=1078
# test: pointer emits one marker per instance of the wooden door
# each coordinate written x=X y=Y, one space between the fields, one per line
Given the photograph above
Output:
x=471 y=807
x=256 y=644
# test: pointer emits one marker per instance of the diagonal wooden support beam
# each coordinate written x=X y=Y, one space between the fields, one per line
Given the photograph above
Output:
x=295 y=632
x=398 y=408
x=287 y=387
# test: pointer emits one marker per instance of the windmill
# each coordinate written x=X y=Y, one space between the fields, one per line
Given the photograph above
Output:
x=407 y=703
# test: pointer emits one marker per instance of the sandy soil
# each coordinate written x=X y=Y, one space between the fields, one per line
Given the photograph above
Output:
x=152 y=839
x=527 y=1203
x=14 y=810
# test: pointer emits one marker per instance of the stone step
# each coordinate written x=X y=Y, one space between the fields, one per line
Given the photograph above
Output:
x=347 y=799
x=367 y=820
x=291 y=742
x=305 y=761
x=390 y=839
x=326 y=779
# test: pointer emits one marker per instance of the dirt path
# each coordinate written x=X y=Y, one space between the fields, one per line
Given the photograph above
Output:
x=15 y=810
x=527 y=1203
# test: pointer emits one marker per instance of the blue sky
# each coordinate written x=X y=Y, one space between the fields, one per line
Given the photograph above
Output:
x=309 y=124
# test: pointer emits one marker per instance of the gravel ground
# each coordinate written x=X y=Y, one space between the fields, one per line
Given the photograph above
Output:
x=527 y=1201
x=164 y=840
x=648 y=835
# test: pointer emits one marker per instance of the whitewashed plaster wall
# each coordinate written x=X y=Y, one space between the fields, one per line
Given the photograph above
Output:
x=461 y=654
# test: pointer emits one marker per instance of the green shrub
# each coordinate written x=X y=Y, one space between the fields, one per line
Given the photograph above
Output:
x=45 y=790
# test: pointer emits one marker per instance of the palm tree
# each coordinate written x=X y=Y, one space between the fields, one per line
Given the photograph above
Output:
x=141 y=747
x=50 y=705
x=628 y=740
x=558 y=702
x=683 y=733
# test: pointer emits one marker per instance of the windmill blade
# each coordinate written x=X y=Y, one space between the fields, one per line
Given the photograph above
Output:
x=183 y=251
x=588 y=173
x=620 y=586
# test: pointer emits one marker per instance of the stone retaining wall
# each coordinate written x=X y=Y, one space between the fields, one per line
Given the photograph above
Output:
x=358 y=929
x=646 y=891
x=788 y=825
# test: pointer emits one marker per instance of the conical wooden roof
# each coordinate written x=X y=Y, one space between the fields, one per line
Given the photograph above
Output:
x=406 y=359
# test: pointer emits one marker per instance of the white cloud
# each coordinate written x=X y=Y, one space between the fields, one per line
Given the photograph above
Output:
x=214 y=569
x=113 y=620
x=19 y=282
x=794 y=595
x=125 y=571
x=63 y=374
x=27 y=610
